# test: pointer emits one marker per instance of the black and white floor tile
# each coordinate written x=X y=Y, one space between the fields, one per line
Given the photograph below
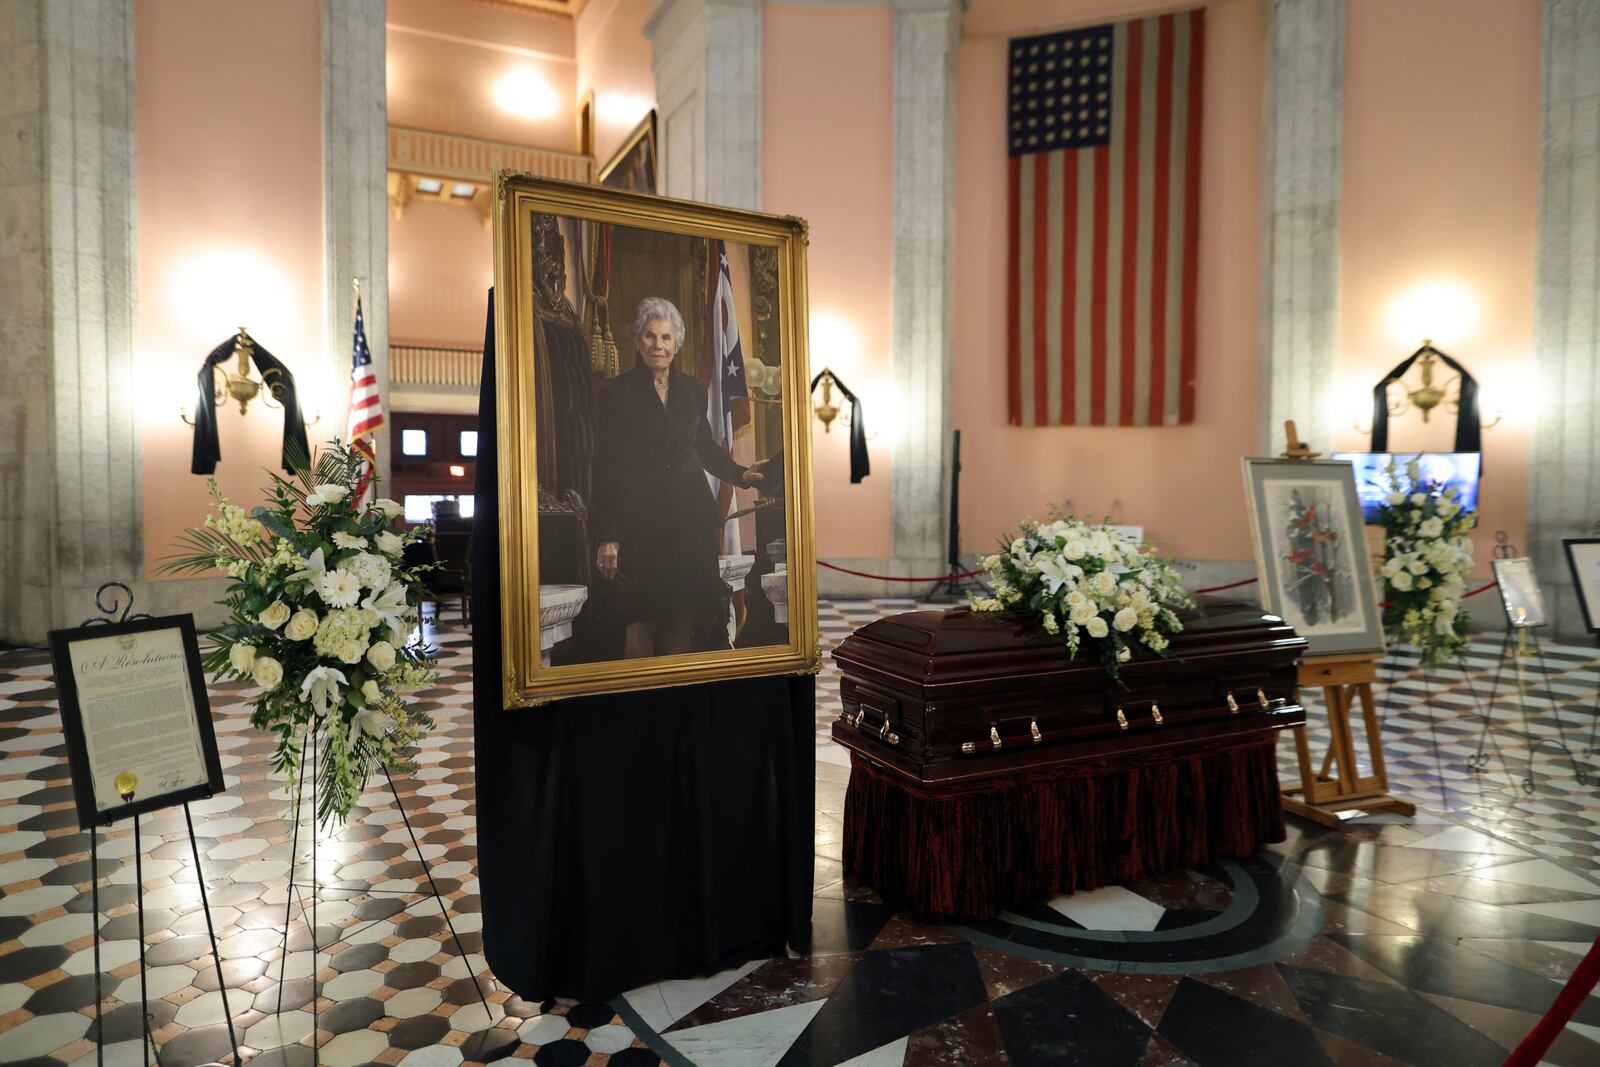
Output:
x=1434 y=939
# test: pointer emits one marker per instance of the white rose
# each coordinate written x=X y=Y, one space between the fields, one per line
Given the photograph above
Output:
x=275 y=616
x=267 y=672
x=1417 y=566
x=1396 y=499
x=1075 y=549
x=302 y=625
x=1431 y=528
x=1401 y=581
x=370 y=692
x=1081 y=613
x=1419 y=499
x=352 y=651
x=1097 y=627
x=1125 y=620
x=1104 y=583
x=327 y=493
x=1424 y=582
x=388 y=543
x=381 y=655
x=340 y=588
x=240 y=657
x=1124 y=654
x=386 y=507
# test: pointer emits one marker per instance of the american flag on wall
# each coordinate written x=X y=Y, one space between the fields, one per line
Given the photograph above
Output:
x=366 y=407
x=1103 y=134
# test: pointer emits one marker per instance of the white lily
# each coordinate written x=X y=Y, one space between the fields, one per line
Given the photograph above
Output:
x=315 y=567
x=371 y=721
x=321 y=687
x=1055 y=572
x=390 y=606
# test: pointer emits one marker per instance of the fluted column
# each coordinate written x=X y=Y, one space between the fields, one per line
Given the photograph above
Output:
x=355 y=157
x=707 y=60
x=70 y=498
x=926 y=35
x=1564 y=464
x=1304 y=108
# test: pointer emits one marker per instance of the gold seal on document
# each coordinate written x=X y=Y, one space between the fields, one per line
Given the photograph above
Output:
x=126 y=783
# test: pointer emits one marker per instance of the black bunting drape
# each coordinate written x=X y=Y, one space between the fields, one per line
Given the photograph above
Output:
x=1469 y=431
x=207 y=451
x=860 y=462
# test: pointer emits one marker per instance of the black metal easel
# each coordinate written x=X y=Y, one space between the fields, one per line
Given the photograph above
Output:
x=127 y=795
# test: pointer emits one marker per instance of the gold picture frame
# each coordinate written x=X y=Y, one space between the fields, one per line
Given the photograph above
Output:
x=635 y=166
x=562 y=356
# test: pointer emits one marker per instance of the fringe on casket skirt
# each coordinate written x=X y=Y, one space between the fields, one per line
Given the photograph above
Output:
x=973 y=849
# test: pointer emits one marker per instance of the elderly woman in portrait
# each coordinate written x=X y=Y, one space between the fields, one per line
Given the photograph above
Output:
x=654 y=515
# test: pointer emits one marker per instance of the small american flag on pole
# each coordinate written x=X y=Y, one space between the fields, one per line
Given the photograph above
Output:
x=1103 y=134
x=366 y=407
x=727 y=396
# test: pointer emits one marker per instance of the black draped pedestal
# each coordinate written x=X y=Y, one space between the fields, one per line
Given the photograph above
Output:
x=632 y=838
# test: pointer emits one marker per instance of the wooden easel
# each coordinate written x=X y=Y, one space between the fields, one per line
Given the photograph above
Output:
x=1325 y=798
x=1330 y=799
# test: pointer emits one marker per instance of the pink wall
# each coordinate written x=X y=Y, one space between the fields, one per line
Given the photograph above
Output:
x=1440 y=175
x=230 y=229
x=826 y=156
x=1182 y=483
x=614 y=61
x=441 y=264
x=446 y=57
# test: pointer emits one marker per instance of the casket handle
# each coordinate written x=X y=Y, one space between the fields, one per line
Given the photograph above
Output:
x=1033 y=731
x=1233 y=705
x=994 y=736
x=1155 y=714
x=886 y=734
x=1122 y=720
x=1261 y=698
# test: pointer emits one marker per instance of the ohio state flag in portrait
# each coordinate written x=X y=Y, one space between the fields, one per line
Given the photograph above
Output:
x=1103 y=134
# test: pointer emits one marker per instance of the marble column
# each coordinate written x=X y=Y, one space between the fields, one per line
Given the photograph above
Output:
x=922 y=286
x=707 y=60
x=1304 y=105
x=70 y=501
x=1564 y=463
x=355 y=158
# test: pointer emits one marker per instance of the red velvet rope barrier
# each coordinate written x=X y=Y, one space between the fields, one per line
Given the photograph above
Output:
x=1547 y=1029
x=974 y=574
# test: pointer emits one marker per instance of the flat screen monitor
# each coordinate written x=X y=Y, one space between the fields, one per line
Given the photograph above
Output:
x=1459 y=469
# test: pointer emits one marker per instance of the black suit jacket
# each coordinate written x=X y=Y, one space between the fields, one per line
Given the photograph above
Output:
x=651 y=463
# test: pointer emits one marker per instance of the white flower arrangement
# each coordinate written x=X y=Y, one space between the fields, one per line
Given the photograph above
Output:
x=1087 y=583
x=1427 y=556
x=321 y=609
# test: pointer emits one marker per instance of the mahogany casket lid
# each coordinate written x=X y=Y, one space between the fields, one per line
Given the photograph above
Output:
x=960 y=645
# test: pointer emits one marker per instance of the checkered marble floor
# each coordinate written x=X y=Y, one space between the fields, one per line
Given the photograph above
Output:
x=1509 y=869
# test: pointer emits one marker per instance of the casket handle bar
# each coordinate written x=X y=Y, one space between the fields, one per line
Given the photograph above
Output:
x=1155 y=714
x=1033 y=731
x=1122 y=720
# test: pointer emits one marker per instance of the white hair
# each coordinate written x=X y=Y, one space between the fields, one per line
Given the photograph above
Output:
x=658 y=307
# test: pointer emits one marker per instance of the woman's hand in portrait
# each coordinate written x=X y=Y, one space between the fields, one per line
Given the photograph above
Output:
x=755 y=475
x=606 y=559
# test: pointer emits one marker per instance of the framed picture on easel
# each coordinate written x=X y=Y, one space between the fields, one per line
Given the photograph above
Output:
x=1520 y=595
x=136 y=718
x=1305 y=522
x=1583 y=556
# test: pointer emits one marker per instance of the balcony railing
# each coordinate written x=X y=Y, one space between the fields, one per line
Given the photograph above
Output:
x=431 y=367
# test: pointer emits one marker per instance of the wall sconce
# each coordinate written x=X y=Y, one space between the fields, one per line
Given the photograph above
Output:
x=1426 y=396
x=239 y=386
x=825 y=408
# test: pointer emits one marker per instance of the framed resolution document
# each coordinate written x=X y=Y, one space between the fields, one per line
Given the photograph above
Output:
x=136 y=717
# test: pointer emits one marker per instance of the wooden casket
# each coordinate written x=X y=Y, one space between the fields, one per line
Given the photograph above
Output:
x=989 y=767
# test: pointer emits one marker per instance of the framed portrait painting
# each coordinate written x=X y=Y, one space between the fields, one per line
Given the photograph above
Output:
x=1305 y=520
x=1583 y=556
x=655 y=463
x=633 y=167
x=1520 y=594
